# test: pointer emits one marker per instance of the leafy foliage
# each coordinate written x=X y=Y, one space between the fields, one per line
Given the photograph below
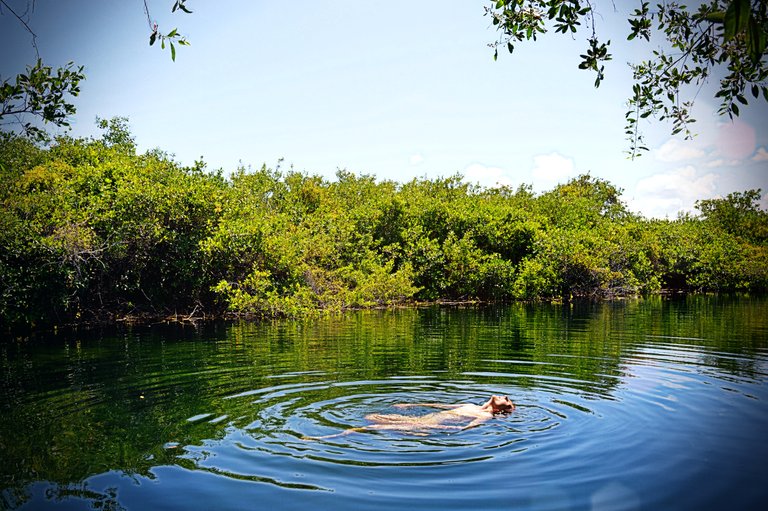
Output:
x=727 y=34
x=90 y=229
x=171 y=37
x=41 y=93
x=44 y=94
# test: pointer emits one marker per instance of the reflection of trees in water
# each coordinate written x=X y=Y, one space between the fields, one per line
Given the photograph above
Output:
x=76 y=405
x=106 y=500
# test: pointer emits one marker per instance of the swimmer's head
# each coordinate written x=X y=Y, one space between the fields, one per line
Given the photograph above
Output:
x=500 y=404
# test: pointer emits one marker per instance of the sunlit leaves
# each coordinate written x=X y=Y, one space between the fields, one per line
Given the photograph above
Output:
x=90 y=226
x=171 y=37
x=739 y=214
x=41 y=93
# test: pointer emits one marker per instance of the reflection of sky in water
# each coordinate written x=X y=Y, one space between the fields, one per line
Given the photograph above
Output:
x=665 y=373
x=615 y=497
x=218 y=419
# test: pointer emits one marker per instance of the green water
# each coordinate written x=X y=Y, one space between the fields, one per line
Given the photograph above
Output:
x=646 y=404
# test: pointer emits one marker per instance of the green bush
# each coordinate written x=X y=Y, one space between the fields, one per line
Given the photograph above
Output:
x=90 y=228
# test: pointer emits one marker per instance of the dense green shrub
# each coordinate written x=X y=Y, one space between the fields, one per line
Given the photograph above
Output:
x=90 y=227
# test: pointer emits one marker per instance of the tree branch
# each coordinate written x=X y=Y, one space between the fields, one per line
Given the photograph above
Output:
x=26 y=26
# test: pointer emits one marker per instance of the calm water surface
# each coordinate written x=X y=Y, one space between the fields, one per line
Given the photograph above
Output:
x=652 y=404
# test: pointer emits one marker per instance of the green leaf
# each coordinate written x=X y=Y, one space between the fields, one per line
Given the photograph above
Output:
x=173 y=52
x=756 y=41
x=152 y=38
x=715 y=17
x=736 y=18
x=171 y=33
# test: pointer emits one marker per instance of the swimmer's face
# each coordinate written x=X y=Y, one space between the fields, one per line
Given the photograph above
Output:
x=502 y=404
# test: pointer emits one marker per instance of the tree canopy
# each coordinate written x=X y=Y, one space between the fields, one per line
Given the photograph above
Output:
x=89 y=229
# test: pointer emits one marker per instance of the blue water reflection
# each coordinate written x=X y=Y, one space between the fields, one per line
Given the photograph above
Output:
x=636 y=405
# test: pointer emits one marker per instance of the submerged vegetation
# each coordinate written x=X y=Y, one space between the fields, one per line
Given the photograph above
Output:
x=89 y=229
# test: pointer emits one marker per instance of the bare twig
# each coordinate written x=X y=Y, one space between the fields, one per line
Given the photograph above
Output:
x=25 y=24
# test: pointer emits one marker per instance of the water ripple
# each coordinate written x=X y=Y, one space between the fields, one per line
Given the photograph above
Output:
x=290 y=420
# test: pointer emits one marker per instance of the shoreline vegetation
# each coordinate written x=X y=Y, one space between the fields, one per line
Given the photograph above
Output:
x=91 y=231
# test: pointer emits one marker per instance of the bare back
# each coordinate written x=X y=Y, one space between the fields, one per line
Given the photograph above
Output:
x=469 y=415
x=453 y=416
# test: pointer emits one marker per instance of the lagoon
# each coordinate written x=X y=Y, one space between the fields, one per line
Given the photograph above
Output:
x=659 y=403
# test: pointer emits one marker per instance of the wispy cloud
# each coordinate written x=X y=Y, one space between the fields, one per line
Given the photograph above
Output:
x=733 y=144
x=551 y=169
x=668 y=193
x=674 y=150
x=486 y=176
x=720 y=162
x=416 y=159
x=760 y=155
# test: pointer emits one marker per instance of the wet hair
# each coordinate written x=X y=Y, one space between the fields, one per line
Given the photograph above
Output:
x=504 y=408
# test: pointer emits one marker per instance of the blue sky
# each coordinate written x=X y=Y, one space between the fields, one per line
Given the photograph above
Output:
x=398 y=89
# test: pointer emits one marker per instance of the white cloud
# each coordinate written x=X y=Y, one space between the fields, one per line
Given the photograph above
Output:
x=760 y=155
x=729 y=144
x=416 y=159
x=551 y=169
x=676 y=150
x=713 y=164
x=666 y=194
x=487 y=177
x=736 y=139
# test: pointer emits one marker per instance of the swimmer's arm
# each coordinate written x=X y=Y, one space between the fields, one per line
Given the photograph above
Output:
x=343 y=433
x=475 y=423
x=431 y=405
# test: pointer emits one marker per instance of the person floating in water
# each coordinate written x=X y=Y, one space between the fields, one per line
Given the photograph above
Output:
x=451 y=417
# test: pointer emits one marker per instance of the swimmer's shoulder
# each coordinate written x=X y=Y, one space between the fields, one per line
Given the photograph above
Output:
x=469 y=409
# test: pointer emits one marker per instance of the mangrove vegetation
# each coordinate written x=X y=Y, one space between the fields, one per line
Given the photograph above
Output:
x=92 y=230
